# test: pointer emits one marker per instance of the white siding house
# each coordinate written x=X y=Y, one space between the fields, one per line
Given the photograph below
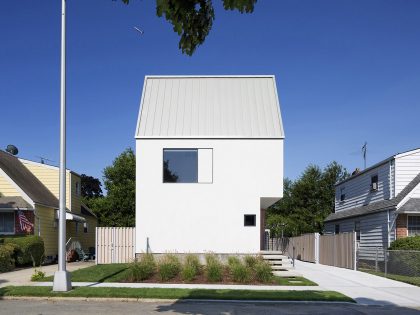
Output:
x=381 y=203
x=209 y=160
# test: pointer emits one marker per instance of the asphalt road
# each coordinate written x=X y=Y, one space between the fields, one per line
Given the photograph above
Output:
x=205 y=308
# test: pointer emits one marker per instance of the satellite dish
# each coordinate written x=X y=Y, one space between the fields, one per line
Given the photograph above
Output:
x=12 y=149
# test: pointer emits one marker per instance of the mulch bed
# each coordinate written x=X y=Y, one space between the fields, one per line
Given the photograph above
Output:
x=201 y=279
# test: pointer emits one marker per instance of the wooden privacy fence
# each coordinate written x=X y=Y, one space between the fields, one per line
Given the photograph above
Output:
x=337 y=250
x=305 y=247
x=115 y=245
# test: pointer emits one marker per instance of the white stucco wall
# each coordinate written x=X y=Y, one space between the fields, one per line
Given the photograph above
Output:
x=200 y=218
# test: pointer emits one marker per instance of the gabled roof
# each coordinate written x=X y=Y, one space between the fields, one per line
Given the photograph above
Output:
x=209 y=107
x=378 y=164
x=375 y=206
x=26 y=181
x=411 y=206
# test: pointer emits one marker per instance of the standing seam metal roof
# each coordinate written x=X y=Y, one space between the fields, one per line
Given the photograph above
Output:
x=209 y=107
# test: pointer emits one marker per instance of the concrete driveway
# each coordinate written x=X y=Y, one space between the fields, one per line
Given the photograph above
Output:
x=362 y=287
x=23 y=276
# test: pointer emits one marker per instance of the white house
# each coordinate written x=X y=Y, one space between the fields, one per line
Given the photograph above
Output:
x=380 y=203
x=209 y=159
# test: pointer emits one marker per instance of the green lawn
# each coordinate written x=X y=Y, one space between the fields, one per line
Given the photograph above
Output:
x=406 y=279
x=119 y=272
x=99 y=273
x=158 y=293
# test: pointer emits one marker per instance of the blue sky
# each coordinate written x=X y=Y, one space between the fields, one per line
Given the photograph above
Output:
x=347 y=71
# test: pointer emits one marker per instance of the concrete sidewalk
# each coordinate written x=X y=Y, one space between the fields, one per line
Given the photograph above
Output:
x=362 y=287
x=23 y=276
x=188 y=286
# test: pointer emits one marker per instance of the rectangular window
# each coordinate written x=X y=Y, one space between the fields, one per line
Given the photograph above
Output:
x=374 y=183
x=413 y=225
x=7 y=222
x=357 y=230
x=337 y=229
x=77 y=227
x=85 y=227
x=187 y=165
x=342 y=194
x=78 y=188
x=249 y=219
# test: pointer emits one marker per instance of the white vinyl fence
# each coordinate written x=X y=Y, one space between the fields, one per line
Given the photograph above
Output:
x=115 y=245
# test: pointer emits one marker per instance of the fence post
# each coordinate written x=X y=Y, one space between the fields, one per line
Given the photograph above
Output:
x=355 y=250
x=293 y=260
x=316 y=239
x=376 y=260
x=386 y=262
x=96 y=246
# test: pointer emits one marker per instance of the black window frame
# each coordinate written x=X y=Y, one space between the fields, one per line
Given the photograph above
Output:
x=342 y=194
x=163 y=165
x=357 y=230
x=254 y=216
x=337 y=229
x=374 y=179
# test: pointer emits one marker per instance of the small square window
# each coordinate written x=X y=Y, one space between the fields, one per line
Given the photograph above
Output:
x=337 y=229
x=249 y=219
x=374 y=183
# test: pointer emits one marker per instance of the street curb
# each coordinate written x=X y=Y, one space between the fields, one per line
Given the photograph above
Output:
x=146 y=300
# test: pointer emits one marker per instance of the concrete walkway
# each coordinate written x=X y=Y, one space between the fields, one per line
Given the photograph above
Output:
x=362 y=287
x=23 y=276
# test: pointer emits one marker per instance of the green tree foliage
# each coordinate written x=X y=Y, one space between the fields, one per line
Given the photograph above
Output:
x=307 y=201
x=192 y=20
x=91 y=187
x=117 y=208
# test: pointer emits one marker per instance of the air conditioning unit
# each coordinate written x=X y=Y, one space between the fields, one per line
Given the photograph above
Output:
x=374 y=186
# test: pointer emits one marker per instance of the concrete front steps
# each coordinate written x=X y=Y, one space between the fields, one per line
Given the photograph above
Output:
x=281 y=265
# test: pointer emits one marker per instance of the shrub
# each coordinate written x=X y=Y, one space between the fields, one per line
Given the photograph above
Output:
x=214 y=272
x=211 y=258
x=142 y=269
x=263 y=272
x=30 y=250
x=191 y=267
x=251 y=261
x=194 y=261
x=233 y=260
x=38 y=275
x=240 y=272
x=7 y=263
x=407 y=243
x=188 y=273
x=168 y=267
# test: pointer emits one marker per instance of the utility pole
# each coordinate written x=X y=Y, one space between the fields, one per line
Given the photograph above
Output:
x=62 y=277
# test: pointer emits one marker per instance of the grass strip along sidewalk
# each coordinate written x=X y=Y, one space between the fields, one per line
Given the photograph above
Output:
x=119 y=273
x=159 y=293
x=407 y=279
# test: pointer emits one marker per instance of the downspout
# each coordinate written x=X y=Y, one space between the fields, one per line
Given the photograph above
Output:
x=389 y=228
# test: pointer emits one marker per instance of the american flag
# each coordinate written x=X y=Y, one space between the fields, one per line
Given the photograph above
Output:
x=25 y=224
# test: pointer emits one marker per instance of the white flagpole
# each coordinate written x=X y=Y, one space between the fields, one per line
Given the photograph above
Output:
x=62 y=277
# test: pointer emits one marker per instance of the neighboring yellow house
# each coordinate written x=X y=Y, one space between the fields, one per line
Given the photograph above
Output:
x=29 y=203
